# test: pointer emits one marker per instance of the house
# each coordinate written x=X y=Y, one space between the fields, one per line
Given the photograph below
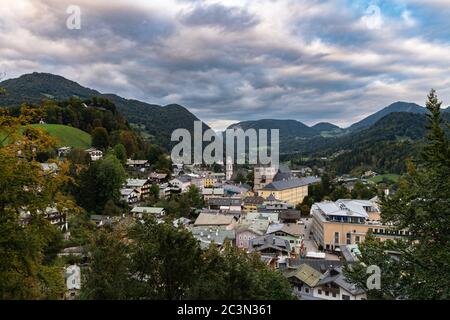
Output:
x=216 y=220
x=271 y=217
x=141 y=185
x=130 y=195
x=334 y=286
x=139 y=212
x=225 y=204
x=292 y=191
x=182 y=182
x=157 y=178
x=303 y=279
x=249 y=230
x=346 y=222
x=216 y=235
x=234 y=190
x=289 y=216
x=209 y=193
x=289 y=231
x=273 y=204
x=72 y=277
x=57 y=218
x=94 y=153
x=270 y=245
x=49 y=168
x=63 y=151
x=252 y=203
x=101 y=220
x=137 y=164
x=184 y=222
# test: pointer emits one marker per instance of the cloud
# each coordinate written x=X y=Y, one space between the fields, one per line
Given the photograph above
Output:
x=233 y=60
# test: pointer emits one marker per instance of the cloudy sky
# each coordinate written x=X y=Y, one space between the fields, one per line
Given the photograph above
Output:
x=235 y=60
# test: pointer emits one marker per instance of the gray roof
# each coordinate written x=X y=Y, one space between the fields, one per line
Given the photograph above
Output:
x=208 y=219
x=269 y=241
x=291 y=183
x=224 y=202
x=336 y=275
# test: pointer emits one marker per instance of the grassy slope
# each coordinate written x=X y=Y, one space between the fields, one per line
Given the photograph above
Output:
x=389 y=177
x=67 y=136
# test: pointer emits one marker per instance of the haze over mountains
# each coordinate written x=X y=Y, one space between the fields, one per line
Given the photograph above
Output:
x=160 y=121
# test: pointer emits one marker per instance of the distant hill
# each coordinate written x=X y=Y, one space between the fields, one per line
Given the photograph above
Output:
x=325 y=126
x=67 y=136
x=395 y=107
x=288 y=128
x=159 y=121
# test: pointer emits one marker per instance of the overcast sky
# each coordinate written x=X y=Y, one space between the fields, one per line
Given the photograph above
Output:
x=232 y=60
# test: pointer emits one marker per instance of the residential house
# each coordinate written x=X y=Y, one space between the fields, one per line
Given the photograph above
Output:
x=209 y=193
x=94 y=153
x=292 y=191
x=270 y=245
x=182 y=221
x=225 y=204
x=140 y=212
x=157 y=178
x=101 y=220
x=289 y=216
x=250 y=230
x=334 y=286
x=141 y=185
x=289 y=231
x=72 y=276
x=57 y=218
x=252 y=203
x=236 y=190
x=227 y=221
x=271 y=217
x=303 y=279
x=130 y=195
x=137 y=164
x=206 y=235
x=182 y=182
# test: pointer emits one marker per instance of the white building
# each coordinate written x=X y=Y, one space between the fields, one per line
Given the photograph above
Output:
x=73 y=281
x=94 y=153
x=229 y=169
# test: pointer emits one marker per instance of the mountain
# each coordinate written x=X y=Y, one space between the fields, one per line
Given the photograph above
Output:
x=325 y=126
x=288 y=128
x=395 y=107
x=158 y=121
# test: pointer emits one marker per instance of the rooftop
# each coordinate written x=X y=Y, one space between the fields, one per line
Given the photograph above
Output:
x=290 y=183
x=209 y=219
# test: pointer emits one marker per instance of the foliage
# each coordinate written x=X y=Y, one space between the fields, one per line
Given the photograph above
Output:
x=421 y=206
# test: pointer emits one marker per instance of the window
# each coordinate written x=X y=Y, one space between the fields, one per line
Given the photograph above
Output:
x=306 y=290
x=336 y=237
x=357 y=239
x=349 y=238
x=320 y=291
x=327 y=293
x=334 y=294
x=345 y=297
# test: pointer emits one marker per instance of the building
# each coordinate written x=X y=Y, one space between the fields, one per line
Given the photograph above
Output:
x=157 y=177
x=139 y=212
x=270 y=245
x=137 y=164
x=181 y=182
x=263 y=175
x=130 y=195
x=72 y=276
x=208 y=235
x=251 y=204
x=334 y=286
x=250 y=230
x=227 y=221
x=292 y=191
x=289 y=231
x=347 y=222
x=57 y=218
x=94 y=153
x=209 y=193
x=141 y=185
x=271 y=217
x=229 y=169
x=225 y=204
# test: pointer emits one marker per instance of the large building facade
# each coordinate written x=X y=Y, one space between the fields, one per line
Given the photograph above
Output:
x=292 y=191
